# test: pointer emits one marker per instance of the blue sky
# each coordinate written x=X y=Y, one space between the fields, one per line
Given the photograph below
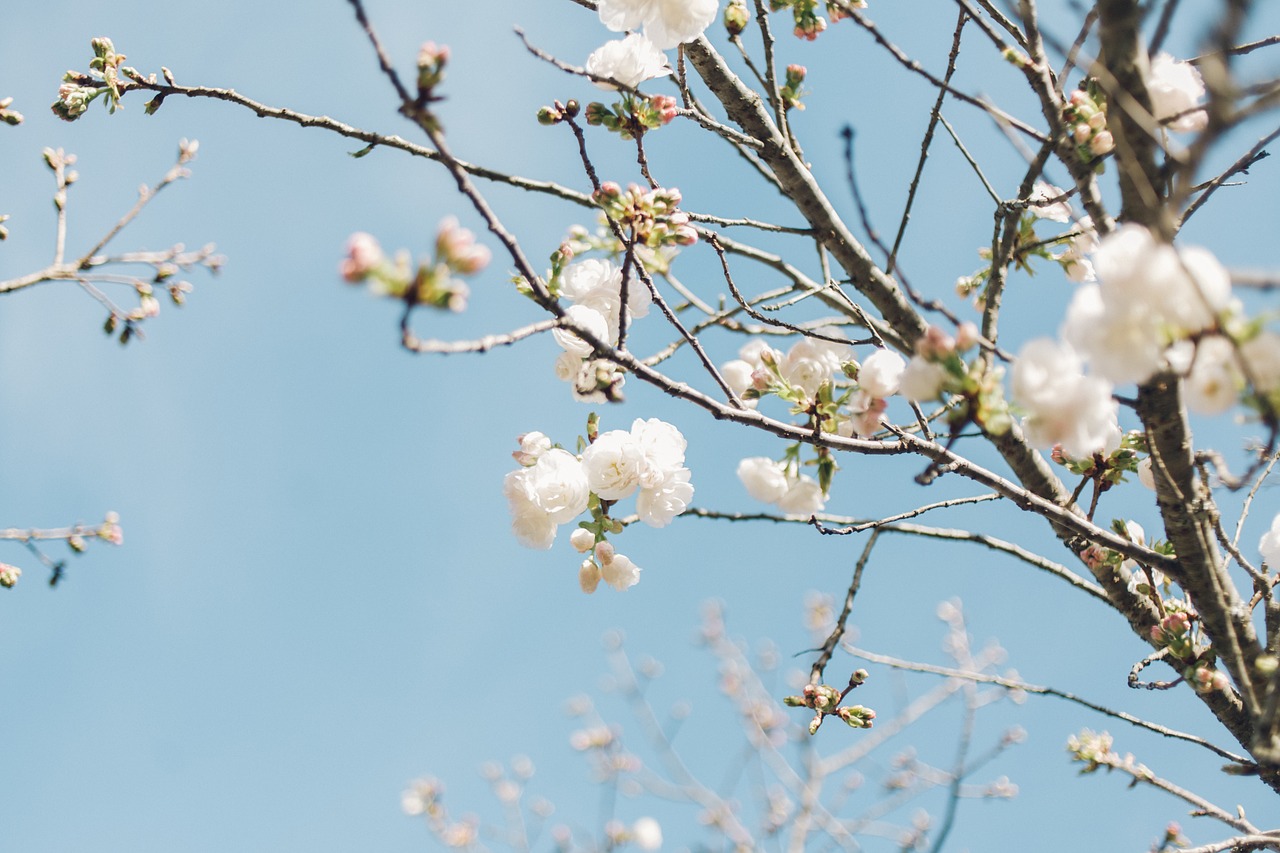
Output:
x=318 y=598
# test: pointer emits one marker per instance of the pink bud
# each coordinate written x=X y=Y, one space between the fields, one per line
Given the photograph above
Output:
x=1102 y=143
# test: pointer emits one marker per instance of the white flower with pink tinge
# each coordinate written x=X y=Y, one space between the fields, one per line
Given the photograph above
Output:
x=667 y=23
x=630 y=61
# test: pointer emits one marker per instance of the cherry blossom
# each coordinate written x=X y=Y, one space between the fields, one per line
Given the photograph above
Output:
x=764 y=479
x=1269 y=545
x=587 y=318
x=810 y=362
x=630 y=61
x=620 y=572
x=803 y=497
x=1063 y=405
x=1043 y=204
x=667 y=23
x=1176 y=87
x=881 y=373
x=1212 y=386
x=613 y=463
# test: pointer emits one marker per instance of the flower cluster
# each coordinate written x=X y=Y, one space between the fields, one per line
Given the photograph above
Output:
x=825 y=701
x=666 y=23
x=1175 y=634
x=1062 y=405
x=595 y=289
x=434 y=283
x=814 y=376
x=1085 y=113
x=781 y=484
x=1150 y=295
x=432 y=58
x=791 y=90
x=1092 y=748
x=1049 y=203
x=760 y=370
x=809 y=24
x=553 y=487
x=938 y=371
x=1176 y=90
x=632 y=116
x=78 y=90
x=651 y=217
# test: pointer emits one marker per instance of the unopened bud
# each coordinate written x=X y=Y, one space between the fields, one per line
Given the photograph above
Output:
x=588 y=576
x=1102 y=143
x=736 y=17
x=9 y=575
x=582 y=540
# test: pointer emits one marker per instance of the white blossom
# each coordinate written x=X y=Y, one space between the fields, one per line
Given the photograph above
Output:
x=567 y=366
x=585 y=318
x=1042 y=206
x=881 y=373
x=613 y=464
x=532 y=445
x=866 y=414
x=803 y=497
x=558 y=484
x=597 y=284
x=588 y=576
x=657 y=506
x=529 y=521
x=622 y=15
x=739 y=376
x=1063 y=405
x=1213 y=384
x=662 y=447
x=667 y=23
x=1146 y=473
x=1149 y=295
x=810 y=362
x=1176 y=87
x=582 y=540
x=1123 y=345
x=647 y=834
x=620 y=573
x=1269 y=545
x=922 y=379
x=630 y=61
x=1262 y=356
x=764 y=479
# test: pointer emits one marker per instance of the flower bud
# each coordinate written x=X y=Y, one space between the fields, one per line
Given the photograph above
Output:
x=1102 y=143
x=588 y=576
x=432 y=59
x=582 y=540
x=735 y=17
x=9 y=575
x=1016 y=58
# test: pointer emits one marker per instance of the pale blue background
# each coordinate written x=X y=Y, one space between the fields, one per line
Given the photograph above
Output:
x=318 y=599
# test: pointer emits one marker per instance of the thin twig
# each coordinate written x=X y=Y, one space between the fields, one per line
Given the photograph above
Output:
x=1014 y=684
